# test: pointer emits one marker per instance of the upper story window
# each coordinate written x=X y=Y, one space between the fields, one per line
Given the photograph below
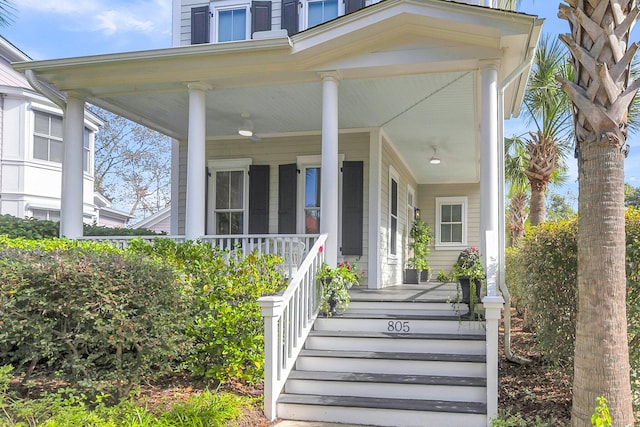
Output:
x=320 y=11
x=451 y=221
x=47 y=137
x=231 y=21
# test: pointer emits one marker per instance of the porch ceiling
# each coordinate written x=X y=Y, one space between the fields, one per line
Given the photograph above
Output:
x=403 y=69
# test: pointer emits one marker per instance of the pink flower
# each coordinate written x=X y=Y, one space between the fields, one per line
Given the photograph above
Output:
x=320 y=249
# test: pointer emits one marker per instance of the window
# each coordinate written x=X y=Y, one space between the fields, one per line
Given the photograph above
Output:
x=451 y=220
x=322 y=11
x=393 y=212
x=47 y=137
x=46 y=214
x=312 y=200
x=86 y=150
x=231 y=21
x=229 y=195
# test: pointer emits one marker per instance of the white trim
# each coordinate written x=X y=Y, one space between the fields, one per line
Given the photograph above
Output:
x=375 y=210
x=220 y=165
x=411 y=208
x=225 y=5
x=460 y=200
x=312 y=161
x=393 y=257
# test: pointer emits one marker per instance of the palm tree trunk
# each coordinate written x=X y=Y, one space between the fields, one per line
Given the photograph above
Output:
x=537 y=207
x=601 y=364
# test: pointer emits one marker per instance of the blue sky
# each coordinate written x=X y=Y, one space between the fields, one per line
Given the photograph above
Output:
x=63 y=28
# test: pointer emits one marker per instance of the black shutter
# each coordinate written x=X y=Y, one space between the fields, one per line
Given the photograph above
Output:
x=290 y=16
x=260 y=16
x=352 y=207
x=287 y=195
x=200 y=25
x=258 y=199
x=353 y=5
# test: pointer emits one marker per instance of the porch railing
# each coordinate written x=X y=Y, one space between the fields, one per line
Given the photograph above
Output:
x=292 y=248
x=288 y=318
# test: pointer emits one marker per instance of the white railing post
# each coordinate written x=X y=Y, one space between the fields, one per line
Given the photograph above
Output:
x=271 y=308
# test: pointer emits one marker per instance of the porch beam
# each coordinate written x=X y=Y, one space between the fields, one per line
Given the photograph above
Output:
x=196 y=167
x=71 y=204
x=489 y=176
x=330 y=167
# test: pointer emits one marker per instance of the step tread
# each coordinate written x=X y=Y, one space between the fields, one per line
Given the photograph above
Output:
x=370 y=316
x=388 y=378
x=416 y=336
x=378 y=355
x=385 y=403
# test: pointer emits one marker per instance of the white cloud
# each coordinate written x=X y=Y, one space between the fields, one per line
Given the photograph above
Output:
x=109 y=17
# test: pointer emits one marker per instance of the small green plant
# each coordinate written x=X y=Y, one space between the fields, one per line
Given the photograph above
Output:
x=601 y=417
x=469 y=264
x=445 y=277
x=335 y=286
x=420 y=245
x=516 y=420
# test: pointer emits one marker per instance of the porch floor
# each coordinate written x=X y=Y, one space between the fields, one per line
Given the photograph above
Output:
x=424 y=292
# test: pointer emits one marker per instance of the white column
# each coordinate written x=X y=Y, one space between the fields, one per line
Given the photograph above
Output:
x=72 y=175
x=329 y=183
x=196 y=167
x=175 y=187
x=489 y=176
x=272 y=309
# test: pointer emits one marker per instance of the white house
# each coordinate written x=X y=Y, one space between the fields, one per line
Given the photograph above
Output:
x=31 y=151
x=307 y=117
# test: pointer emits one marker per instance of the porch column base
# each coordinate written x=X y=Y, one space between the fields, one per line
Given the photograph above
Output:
x=493 y=312
x=271 y=308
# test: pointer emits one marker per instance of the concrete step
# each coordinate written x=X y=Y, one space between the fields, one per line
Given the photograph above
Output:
x=435 y=343
x=399 y=324
x=428 y=387
x=382 y=411
x=407 y=308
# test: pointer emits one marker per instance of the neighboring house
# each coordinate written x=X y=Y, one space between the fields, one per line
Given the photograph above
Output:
x=31 y=150
x=106 y=215
x=306 y=116
x=160 y=222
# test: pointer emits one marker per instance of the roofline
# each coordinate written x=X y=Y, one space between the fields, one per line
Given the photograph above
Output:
x=155 y=54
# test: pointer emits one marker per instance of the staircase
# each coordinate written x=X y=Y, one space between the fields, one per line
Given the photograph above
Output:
x=399 y=357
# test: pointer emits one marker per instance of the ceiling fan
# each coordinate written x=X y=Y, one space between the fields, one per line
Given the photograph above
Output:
x=247 y=129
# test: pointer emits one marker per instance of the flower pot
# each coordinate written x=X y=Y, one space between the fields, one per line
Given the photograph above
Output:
x=465 y=286
x=411 y=276
x=424 y=276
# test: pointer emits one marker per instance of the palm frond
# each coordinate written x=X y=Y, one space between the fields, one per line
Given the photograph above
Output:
x=7 y=13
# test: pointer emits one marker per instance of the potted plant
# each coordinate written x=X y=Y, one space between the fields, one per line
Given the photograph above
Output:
x=336 y=283
x=470 y=273
x=420 y=246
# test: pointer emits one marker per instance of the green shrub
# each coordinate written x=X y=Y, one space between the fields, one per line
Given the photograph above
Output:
x=99 y=318
x=542 y=276
x=99 y=230
x=516 y=420
x=226 y=328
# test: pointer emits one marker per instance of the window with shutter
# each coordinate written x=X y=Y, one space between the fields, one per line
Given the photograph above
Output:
x=229 y=196
x=200 y=25
x=287 y=198
x=259 y=199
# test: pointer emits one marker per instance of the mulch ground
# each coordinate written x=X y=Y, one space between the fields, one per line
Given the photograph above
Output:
x=534 y=389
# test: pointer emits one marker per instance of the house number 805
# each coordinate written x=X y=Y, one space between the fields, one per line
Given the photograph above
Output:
x=398 y=326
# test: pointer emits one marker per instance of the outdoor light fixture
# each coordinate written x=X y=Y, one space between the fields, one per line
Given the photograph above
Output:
x=247 y=127
x=435 y=160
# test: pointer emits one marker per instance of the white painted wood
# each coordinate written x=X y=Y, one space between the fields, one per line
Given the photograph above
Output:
x=72 y=175
x=442 y=346
x=387 y=390
x=493 y=306
x=386 y=366
x=401 y=325
x=399 y=308
x=329 y=196
x=195 y=207
x=380 y=417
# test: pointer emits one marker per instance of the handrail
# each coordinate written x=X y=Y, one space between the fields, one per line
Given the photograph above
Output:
x=288 y=319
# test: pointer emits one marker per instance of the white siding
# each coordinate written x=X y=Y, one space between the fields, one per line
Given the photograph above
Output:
x=392 y=270
x=278 y=151
x=443 y=259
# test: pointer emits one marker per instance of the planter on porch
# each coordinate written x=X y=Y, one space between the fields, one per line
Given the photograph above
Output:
x=465 y=286
x=411 y=276
x=336 y=283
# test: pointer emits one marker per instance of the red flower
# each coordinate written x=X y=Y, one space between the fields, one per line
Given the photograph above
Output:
x=320 y=249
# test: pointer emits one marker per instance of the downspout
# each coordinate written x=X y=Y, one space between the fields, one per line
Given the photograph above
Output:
x=501 y=221
x=54 y=97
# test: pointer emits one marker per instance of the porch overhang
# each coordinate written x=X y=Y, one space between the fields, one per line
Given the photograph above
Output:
x=409 y=67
